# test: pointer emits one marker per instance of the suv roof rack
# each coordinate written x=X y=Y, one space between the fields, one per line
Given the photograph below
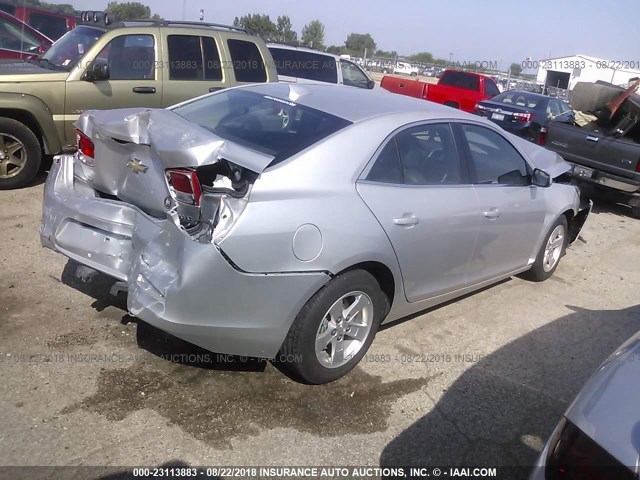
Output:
x=106 y=19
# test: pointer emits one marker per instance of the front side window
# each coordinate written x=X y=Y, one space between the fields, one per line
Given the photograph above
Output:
x=130 y=57
x=494 y=160
x=270 y=125
x=193 y=57
x=248 y=64
x=352 y=76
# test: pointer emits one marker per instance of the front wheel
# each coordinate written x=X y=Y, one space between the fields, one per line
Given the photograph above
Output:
x=334 y=329
x=20 y=154
x=551 y=251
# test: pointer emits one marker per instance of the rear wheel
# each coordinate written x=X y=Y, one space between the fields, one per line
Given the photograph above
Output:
x=551 y=251
x=20 y=154
x=334 y=329
x=452 y=104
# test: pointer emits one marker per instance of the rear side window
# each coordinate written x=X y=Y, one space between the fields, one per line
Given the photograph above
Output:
x=248 y=64
x=52 y=26
x=460 y=80
x=494 y=159
x=387 y=168
x=193 y=57
x=273 y=126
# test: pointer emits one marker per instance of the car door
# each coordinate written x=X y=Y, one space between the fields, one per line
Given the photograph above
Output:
x=134 y=79
x=511 y=210
x=418 y=190
x=193 y=68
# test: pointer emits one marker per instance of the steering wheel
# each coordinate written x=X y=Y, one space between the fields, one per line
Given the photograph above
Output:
x=284 y=114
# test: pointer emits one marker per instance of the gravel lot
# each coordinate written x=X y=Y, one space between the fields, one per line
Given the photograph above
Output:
x=85 y=384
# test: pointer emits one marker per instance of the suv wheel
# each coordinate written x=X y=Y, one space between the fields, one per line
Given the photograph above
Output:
x=20 y=154
x=334 y=329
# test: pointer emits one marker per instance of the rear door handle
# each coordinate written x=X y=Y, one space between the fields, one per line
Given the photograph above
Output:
x=215 y=89
x=592 y=138
x=144 y=89
x=492 y=214
x=407 y=220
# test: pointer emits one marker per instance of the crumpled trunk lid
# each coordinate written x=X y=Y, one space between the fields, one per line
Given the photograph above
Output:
x=134 y=147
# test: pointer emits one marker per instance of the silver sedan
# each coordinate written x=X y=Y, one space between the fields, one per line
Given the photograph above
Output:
x=289 y=221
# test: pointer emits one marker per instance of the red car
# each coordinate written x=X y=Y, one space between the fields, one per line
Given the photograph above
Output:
x=49 y=23
x=18 y=40
x=455 y=88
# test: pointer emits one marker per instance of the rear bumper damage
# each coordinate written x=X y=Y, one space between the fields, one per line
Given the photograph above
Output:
x=174 y=283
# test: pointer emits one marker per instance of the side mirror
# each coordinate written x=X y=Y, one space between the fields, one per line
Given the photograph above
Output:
x=371 y=84
x=540 y=178
x=97 y=72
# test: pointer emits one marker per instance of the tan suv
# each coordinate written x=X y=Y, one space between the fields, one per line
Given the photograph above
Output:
x=105 y=64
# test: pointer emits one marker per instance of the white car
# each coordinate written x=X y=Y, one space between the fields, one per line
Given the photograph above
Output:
x=305 y=65
x=405 y=68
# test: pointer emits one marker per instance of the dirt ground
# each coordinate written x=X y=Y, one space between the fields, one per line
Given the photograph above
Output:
x=85 y=384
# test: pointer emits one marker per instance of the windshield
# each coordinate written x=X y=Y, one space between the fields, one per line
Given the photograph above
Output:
x=12 y=37
x=274 y=126
x=65 y=53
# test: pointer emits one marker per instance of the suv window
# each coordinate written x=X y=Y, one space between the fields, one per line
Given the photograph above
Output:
x=248 y=64
x=130 y=57
x=10 y=9
x=307 y=65
x=460 y=80
x=352 y=76
x=52 y=26
x=65 y=53
x=193 y=57
x=13 y=38
x=493 y=158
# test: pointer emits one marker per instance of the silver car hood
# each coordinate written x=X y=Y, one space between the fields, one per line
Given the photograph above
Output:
x=541 y=158
x=608 y=407
x=177 y=141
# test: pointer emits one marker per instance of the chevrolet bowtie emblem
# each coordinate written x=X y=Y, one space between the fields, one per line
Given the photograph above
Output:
x=137 y=166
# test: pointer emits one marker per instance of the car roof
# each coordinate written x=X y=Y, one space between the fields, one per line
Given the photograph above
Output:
x=357 y=104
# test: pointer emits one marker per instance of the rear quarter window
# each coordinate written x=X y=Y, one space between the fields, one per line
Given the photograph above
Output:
x=247 y=62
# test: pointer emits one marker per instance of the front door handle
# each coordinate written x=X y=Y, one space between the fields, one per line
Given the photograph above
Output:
x=144 y=89
x=592 y=138
x=492 y=213
x=406 y=220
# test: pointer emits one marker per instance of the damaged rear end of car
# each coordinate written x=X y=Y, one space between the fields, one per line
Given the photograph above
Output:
x=145 y=200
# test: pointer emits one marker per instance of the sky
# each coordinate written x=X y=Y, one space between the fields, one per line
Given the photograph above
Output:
x=502 y=31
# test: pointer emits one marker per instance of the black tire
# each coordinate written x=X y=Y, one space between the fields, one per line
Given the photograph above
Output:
x=635 y=211
x=12 y=176
x=297 y=356
x=539 y=272
x=452 y=104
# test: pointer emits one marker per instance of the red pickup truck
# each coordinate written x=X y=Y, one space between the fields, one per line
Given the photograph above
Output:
x=455 y=88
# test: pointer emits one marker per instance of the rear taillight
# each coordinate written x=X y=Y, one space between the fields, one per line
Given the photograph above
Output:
x=542 y=136
x=638 y=166
x=184 y=185
x=479 y=109
x=86 y=148
x=523 y=117
x=574 y=455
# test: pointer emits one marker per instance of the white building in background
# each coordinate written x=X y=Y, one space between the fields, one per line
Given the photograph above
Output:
x=565 y=72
